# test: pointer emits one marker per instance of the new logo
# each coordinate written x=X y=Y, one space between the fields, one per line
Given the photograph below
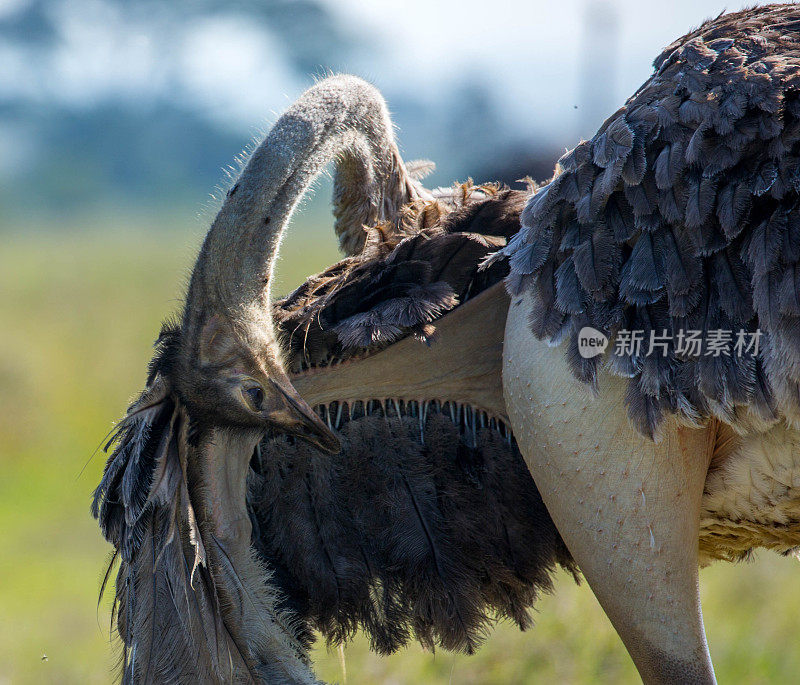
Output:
x=591 y=342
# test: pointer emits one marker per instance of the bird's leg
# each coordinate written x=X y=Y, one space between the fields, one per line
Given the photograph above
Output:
x=627 y=508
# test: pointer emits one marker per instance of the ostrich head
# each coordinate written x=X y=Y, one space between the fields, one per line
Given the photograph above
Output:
x=191 y=598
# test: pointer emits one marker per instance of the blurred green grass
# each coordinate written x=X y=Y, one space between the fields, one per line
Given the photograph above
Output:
x=79 y=311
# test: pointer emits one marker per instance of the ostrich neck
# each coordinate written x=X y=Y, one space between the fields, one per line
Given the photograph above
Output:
x=342 y=120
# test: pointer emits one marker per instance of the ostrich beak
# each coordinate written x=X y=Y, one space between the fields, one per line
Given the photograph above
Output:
x=296 y=417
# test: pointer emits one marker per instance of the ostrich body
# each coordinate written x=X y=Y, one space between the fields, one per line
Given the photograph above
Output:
x=680 y=213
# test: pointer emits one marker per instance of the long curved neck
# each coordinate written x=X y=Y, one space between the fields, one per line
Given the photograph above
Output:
x=341 y=119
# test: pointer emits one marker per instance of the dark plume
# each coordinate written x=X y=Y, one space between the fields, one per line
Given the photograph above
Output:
x=429 y=539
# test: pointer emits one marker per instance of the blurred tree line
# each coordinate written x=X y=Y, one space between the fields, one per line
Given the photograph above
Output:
x=157 y=150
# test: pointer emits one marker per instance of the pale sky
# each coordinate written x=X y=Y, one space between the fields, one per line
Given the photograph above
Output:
x=529 y=51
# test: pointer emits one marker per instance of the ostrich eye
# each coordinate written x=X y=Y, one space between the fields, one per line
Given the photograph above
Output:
x=256 y=397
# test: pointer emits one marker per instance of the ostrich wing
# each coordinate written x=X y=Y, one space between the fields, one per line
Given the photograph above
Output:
x=427 y=523
x=681 y=214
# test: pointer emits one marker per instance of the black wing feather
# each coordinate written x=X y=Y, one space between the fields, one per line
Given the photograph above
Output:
x=689 y=197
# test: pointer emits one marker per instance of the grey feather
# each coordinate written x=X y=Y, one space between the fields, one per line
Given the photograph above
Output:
x=699 y=225
x=701 y=193
x=569 y=293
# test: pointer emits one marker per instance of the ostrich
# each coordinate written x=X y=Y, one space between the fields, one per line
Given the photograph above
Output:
x=679 y=215
x=239 y=522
